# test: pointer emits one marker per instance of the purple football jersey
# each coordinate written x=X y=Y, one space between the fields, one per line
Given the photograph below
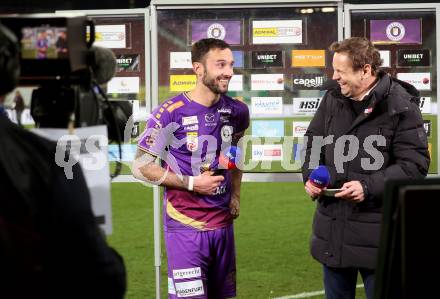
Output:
x=188 y=138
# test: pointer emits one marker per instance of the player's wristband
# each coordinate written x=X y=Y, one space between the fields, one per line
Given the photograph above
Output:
x=190 y=183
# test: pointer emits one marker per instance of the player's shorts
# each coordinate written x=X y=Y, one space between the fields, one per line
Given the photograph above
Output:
x=201 y=264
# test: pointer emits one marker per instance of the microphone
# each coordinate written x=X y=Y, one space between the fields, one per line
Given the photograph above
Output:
x=320 y=177
x=228 y=159
x=103 y=65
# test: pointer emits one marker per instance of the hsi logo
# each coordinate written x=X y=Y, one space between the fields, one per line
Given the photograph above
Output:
x=306 y=105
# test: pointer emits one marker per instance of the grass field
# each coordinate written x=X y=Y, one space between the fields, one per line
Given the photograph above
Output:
x=272 y=241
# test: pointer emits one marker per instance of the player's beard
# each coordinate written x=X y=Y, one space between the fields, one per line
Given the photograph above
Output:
x=213 y=84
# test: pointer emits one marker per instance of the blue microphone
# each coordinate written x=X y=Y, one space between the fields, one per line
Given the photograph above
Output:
x=320 y=177
x=228 y=159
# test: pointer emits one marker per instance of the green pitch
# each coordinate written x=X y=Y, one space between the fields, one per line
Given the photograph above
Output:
x=272 y=241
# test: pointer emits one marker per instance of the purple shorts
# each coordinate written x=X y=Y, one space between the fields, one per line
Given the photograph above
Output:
x=201 y=264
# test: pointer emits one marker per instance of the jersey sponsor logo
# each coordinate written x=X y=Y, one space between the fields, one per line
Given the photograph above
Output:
x=174 y=106
x=192 y=141
x=187 y=273
x=308 y=58
x=192 y=128
x=210 y=120
x=306 y=105
x=220 y=190
x=189 y=120
x=308 y=81
x=413 y=57
x=263 y=59
x=189 y=288
x=226 y=133
x=224 y=110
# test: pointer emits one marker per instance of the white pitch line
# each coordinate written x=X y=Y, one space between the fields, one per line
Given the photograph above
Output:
x=309 y=294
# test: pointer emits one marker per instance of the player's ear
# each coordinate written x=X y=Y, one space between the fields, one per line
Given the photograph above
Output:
x=198 y=69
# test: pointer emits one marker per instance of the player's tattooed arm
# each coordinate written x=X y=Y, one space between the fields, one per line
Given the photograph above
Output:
x=146 y=169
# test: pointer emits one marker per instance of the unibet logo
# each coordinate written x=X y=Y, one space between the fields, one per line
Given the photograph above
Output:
x=124 y=60
x=413 y=56
x=267 y=57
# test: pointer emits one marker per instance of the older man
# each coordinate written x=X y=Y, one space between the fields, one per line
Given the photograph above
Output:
x=367 y=129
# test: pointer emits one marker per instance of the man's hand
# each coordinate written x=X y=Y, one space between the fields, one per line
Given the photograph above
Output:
x=311 y=190
x=352 y=191
x=206 y=183
x=234 y=205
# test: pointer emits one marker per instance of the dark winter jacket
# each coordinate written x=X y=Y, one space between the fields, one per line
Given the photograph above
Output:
x=50 y=243
x=346 y=234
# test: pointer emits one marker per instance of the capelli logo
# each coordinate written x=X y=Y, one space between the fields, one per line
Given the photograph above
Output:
x=308 y=81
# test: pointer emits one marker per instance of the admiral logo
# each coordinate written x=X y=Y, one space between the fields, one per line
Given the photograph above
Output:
x=413 y=57
x=277 y=32
x=182 y=82
x=308 y=81
x=263 y=59
x=305 y=106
